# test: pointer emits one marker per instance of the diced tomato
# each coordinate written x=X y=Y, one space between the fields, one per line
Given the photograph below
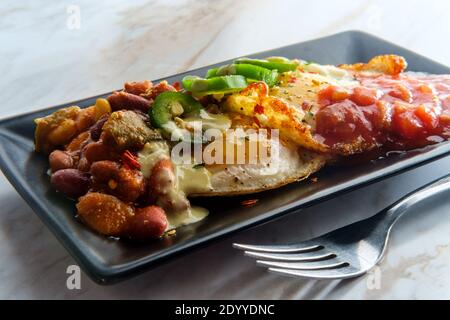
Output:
x=425 y=89
x=444 y=120
x=406 y=123
x=332 y=94
x=347 y=122
x=401 y=92
x=428 y=116
x=446 y=103
x=363 y=96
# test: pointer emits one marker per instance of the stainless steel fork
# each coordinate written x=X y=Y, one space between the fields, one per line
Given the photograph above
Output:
x=346 y=252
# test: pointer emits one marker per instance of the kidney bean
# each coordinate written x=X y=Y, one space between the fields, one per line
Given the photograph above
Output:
x=98 y=151
x=103 y=170
x=148 y=223
x=124 y=100
x=60 y=160
x=85 y=119
x=71 y=182
x=78 y=142
x=105 y=213
x=96 y=129
x=121 y=181
x=138 y=88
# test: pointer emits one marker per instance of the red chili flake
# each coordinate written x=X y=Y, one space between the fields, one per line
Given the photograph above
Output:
x=259 y=109
x=249 y=202
x=177 y=85
x=130 y=160
x=292 y=79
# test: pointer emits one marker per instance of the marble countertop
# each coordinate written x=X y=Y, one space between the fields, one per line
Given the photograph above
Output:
x=68 y=50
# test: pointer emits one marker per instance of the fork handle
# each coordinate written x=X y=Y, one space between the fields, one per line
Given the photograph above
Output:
x=396 y=210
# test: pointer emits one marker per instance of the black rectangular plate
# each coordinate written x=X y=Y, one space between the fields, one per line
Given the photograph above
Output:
x=108 y=260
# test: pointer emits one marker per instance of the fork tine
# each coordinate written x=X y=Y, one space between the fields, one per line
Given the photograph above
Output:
x=278 y=248
x=344 y=272
x=313 y=265
x=306 y=256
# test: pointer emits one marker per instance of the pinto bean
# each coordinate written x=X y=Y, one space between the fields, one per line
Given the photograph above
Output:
x=85 y=119
x=124 y=100
x=148 y=223
x=60 y=160
x=138 y=88
x=71 y=182
x=161 y=87
x=102 y=170
x=105 y=213
x=97 y=151
x=125 y=183
x=78 y=142
x=84 y=164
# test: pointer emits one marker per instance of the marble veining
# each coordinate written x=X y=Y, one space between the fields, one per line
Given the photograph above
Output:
x=44 y=62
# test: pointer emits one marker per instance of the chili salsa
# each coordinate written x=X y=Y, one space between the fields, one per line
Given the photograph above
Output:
x=398 y=112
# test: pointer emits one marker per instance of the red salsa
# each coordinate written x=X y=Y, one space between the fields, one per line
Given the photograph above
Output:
x=397 y=112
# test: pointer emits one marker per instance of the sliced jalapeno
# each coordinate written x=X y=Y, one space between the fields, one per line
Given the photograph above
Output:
x=211 y=73
x=249 y=71
x=275 y=63
x=171 y=104
x=215 y=85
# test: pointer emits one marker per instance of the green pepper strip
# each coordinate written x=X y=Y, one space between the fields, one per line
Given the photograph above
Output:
x=249 y=71
x=279 y=64
x=163 y=108
x=215 y=85
x=211 y=73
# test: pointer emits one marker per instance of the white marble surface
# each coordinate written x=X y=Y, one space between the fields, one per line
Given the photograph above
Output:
x=43 y=62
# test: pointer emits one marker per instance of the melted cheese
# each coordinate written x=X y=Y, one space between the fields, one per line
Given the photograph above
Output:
x=332 y=73
x=152 y=153
x=190 y=179
x=191 y=215
x=193 y=179
x=207 y=120
x=176 y=133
